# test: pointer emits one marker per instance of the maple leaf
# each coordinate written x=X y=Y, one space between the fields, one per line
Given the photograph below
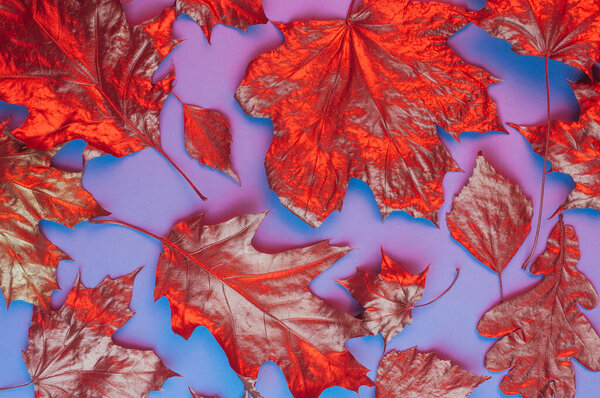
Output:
x=32 y=190
x=258 y=305
x=360 y=98
x=71 y=352
x=491 y=217
x=237 y=13
x=564 y=30
x=543 y=328
x=574 y=148
x=83 y=72
x=412 y=374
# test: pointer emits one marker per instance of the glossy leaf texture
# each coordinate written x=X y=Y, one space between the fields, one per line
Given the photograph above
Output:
x=82 y=72
x=258 y=305
x=412 y=374
x=574 y=148
x=490 y=216
x=543 y=328
x=71 y=352
x=563 y=30
x=32 y=190
x=360 y=98
x=208 y=138
x=387 y=297
x=237 y=13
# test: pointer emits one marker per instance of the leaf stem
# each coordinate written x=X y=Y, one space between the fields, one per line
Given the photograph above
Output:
x=440 y=295
x=17 y=386
x=500 y=281
x=541 y=206
x=350 y=11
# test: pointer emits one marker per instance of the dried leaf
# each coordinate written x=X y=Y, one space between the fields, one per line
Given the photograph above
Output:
x=208 y=139
x=32 y=190
x=82 y=72
x=388 y=297
x=360 y=98
x=71 y=352
x=574 y=148
x=543 y=328
x=411 y=374
x=490 y=216
x=237 y=13
x=258 y=305
x=563 y=30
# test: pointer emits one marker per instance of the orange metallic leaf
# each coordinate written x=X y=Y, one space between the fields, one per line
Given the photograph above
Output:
x=360 y=98
x=32 y=190
x=71 y=352
x=543 y=328
x=258 y=305
x=412 y=374
x=237 y=13
x=490 y=216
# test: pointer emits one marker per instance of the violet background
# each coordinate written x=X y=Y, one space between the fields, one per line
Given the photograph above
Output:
x=144 y=190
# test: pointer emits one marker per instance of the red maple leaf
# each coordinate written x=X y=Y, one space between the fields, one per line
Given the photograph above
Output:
x=83 y=72
x=543 y=328
x=32 y=190
x=412 y=374
x=360 y=98
x=258 y=305
x=71 y=352
x=491 y=217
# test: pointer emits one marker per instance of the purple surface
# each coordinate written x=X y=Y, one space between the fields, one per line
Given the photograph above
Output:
x=144 y=190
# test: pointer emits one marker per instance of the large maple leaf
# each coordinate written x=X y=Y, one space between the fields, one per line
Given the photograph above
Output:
x=574 y=148
x=83 y=72
x=543 y=328
x=360 y=98
x=71 y=352
x=412 y=374
x=32 y=190
x=490 y=217
x=258 y=305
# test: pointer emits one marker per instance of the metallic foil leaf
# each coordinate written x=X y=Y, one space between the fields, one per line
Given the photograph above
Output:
x=543 y=328
x=360 y=98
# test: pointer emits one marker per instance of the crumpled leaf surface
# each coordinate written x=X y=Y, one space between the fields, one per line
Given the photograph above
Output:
x=258 y=305
x=412 y=374
x=490 y=216
x=71 y=352
x=574 y=148
x=82 y=72
x=564 y=30
x=543 y=328
x=237 y=13
x=208 y=138
x=388 y=297
x=32 y=190
x=360 y=98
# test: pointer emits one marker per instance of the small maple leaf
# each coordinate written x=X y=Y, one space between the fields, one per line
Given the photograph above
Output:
x=563 y=30
x=543 y=328
x=237 y=13
x=412 y=374
x=574 y=148
x=32 y=190
x=71 y=352
x=491 y=217
x=258 y=305
x=359 y=98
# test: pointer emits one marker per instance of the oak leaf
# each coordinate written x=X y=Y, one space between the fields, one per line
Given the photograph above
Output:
x=71 y=352
x=258 y=305
x=32 y=190
x=564 y=30
x=490 y=217
x=237 y=13
x=360 y=98
x=412 y=374
x=543 y=328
